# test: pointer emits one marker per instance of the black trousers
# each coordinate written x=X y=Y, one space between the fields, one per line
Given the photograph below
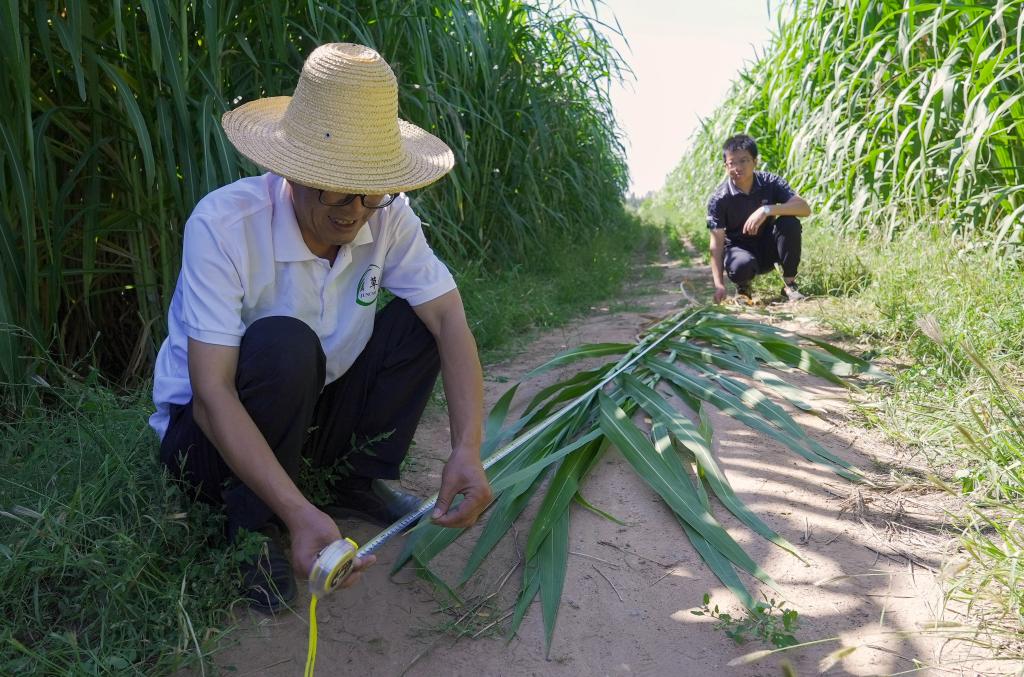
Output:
x=281 y=370
x=778 y=243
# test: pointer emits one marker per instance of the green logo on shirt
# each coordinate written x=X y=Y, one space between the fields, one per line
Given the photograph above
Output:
x=369 y=285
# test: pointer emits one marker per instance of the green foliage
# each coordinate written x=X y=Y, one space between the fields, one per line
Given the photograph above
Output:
x=103 y=569
x=900 y=121
x=564 y=277
x=991 y=440
x=891 y=115
x=971 y=300
x=110 y=134
x=677 y=370
x=768 y=621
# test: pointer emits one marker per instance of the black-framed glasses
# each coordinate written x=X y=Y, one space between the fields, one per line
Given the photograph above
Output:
x=368 y=201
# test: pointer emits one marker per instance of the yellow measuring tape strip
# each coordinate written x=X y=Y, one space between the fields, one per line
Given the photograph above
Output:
x=311 y=651
x=331 y=567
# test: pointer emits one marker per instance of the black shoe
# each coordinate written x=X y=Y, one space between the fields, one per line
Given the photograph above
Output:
x=267 y=580
x=371 y=500
x=744 y=290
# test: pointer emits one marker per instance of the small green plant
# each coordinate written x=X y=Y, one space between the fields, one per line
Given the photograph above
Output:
x=317 y=483
x=769 y=621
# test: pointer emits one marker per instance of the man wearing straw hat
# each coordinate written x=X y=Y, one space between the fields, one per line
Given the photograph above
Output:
x=276 y=355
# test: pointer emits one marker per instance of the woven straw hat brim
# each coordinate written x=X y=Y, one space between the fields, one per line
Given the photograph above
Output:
x=256 y=131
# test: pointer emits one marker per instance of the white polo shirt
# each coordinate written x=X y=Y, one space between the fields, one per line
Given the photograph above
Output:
x=244 y=259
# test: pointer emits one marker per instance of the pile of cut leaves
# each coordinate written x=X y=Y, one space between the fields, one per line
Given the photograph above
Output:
x=677 y=369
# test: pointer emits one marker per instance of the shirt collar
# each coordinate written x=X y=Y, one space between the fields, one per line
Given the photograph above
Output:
x=288 y=242
x=733 y=190
x=364 y=236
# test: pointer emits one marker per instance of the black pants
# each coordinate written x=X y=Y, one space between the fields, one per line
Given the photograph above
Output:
x=281 y=368
x=778 y=242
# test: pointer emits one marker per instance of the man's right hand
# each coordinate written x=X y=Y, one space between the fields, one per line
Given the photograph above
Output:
x=313 y=530
x=720 y=293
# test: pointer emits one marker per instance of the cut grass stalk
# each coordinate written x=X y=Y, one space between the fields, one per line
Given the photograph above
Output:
x=576 y=436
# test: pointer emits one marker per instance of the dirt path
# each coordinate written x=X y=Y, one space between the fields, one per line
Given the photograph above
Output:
x=629 y=590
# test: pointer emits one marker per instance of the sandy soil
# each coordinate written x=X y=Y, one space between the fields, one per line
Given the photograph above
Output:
x=873 y=560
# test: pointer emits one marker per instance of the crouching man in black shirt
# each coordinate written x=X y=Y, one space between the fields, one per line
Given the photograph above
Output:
x=752 y=218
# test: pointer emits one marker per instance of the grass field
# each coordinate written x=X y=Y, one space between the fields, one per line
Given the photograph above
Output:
x=905 y=136
x=105 y=568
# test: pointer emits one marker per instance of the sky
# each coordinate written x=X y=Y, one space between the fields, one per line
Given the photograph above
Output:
x=683 y=54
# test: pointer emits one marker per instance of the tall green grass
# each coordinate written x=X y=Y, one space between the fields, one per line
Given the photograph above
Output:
x=109 y=135
x=901 y=122
x=891 y=114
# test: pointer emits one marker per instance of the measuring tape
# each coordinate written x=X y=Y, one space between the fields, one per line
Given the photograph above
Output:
x=331 y=568
x=334 y=564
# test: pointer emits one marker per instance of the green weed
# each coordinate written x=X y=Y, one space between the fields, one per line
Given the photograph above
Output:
x=768 y=621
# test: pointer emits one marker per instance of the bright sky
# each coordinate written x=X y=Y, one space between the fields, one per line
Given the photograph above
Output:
x=683 y=53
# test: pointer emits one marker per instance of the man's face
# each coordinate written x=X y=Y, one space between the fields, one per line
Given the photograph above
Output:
x=740 y=165
x=325 y=228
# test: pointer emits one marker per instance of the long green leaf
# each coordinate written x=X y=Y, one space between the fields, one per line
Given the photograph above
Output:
x=703 y=390
x=552 y=559
x=684 y=430
x=798 y=397
x=533 y=469
x=499 y=519
x=588 y=351
x=640 y=453
x=585 y=378
x=774 y=413
x=561 y=490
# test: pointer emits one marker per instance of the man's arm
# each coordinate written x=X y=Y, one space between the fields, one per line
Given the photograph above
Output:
x=463 y=474
x=794 y=206
x=223 y=419
x=717 y=263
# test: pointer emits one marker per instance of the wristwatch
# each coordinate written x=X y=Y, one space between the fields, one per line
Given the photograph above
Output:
x=766 y=210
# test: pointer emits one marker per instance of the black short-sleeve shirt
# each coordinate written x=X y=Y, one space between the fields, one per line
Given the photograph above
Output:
x=729 y=208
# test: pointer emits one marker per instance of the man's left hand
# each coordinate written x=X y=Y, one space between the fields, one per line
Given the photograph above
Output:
x=462 y=475
x=754 y=222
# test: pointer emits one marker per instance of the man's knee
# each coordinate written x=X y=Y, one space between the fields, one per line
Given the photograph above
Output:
x=284 y=351
x=788 y=225
x=741 y=269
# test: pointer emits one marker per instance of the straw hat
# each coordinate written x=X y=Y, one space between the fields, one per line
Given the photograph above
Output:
x=340 y=131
